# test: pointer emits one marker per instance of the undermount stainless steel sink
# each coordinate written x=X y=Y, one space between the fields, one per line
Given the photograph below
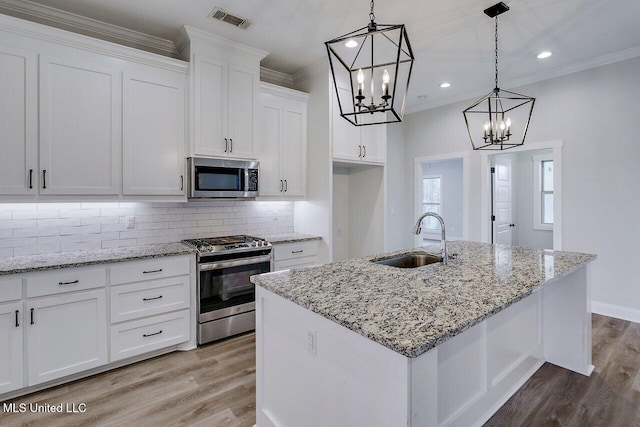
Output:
x=411 y=260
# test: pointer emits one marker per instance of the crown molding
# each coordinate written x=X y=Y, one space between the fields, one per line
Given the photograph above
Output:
x=277 y=90
x=600 y=61
x=50 y=16
x=206 y=40
x=276 y=77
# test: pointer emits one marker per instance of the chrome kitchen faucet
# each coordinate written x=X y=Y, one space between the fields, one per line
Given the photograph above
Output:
x=443 y=242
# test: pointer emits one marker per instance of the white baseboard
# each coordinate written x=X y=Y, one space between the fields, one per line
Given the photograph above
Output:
x=617 y=311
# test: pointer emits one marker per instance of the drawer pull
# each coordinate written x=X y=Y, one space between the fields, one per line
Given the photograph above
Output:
x=151 y=299
x=150 y=335
x=297 y=252
x=68 y=283
x=152 y=271
x=17 y=318
x=32 y=321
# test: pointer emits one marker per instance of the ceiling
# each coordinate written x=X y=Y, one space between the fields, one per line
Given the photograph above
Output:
x=452 y=40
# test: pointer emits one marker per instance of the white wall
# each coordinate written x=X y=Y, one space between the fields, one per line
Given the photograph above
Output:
x=595 y=113
x=451 y=171
x=37 y=228
x=523 y=186
x=398 y=231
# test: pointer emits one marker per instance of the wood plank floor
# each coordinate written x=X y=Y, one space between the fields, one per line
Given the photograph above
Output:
x=215 y=386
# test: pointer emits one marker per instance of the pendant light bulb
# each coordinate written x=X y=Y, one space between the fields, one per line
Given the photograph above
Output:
x=360 y=76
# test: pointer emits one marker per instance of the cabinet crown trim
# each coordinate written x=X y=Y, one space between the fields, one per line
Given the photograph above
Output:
x=188 y=35
x=272 y=89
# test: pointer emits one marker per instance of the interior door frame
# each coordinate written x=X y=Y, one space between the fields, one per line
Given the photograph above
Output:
x=485 y=185
x=417 y=187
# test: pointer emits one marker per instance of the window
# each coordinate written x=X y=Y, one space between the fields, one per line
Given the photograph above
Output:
x=543 y=193
x=431 y=202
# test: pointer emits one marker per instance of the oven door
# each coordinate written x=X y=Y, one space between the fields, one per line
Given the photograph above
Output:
x=225 y=288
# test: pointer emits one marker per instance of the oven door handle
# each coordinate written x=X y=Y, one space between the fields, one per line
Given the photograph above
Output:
x=233 y=263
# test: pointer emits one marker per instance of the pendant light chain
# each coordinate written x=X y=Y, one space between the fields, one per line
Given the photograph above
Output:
x=496 y=52
x=372 y=17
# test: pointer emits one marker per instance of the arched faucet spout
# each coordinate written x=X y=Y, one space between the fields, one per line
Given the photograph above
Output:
x=417 y=229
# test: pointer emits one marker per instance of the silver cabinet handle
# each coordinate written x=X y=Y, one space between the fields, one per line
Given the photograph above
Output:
x=150 y=335
x=152 y=271
x=226 y=145
x=364 y=147
x=68 y=283
x=17 y=318
x=181 y=182
x=151 y=299
x=297 y=252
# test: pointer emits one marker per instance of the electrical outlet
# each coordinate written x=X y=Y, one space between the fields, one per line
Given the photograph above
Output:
x=312 y=343
x=131 y=222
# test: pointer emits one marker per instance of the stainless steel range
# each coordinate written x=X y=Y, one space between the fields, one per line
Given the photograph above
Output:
x=226 y=297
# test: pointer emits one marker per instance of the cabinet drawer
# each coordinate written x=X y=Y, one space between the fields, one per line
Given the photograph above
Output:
x=148 y=298
x=295 y=250
x=141 y=336
x=65 y=280
x=295 y=263
x=156 y=268
x=10 y=289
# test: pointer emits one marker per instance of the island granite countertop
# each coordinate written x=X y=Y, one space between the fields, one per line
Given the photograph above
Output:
x=412 y=310
x=24 y=264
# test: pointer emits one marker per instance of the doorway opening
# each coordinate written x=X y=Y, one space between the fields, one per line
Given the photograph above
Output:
x=441 y=187
x=522 y=202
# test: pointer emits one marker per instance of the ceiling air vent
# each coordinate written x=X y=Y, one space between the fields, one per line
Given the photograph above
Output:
x=224 y=16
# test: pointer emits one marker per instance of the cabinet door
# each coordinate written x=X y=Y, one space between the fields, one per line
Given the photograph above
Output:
x=80 y=126
x=345 y=136
x=210 y=106
x=18 y=126
x=271 y=183
x=374 y=142
x=243 y=110
x=67 y=334
x=11 y=357
x=153 y=133
x=294 y=156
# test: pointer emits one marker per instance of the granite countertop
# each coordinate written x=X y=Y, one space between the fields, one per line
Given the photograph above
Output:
x=289 y=237
x=412 y=310
x=23 y=264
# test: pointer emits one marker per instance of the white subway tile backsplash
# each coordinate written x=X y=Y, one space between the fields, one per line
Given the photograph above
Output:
x=53 y=227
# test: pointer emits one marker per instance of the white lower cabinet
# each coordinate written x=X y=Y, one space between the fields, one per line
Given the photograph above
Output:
x=11 y=353
x=294 y=255
x=66 y=334
x=61 y=326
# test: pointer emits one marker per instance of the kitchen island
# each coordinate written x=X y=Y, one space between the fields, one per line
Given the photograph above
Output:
x=356 y=343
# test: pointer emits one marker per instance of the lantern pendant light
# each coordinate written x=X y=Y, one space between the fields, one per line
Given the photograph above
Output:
x=371 y=68
x=500 y=119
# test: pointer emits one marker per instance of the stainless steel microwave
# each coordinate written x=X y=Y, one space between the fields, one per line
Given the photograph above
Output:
x=221 y=178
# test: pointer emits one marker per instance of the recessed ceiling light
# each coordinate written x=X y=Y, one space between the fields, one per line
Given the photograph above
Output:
x=351 y=43
x=445 y=85
x=545 y=54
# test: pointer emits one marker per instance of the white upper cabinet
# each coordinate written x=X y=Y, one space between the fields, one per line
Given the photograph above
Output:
x=70 y=105
x=282 y=142
x=225 y=79
x=153 y=132
x=18 y=121
x=351 y=143
x=80 y=138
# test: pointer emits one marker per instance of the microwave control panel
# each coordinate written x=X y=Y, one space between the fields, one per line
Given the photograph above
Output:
x=253 y=180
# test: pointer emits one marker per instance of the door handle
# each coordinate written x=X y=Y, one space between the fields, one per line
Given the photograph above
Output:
x=30 y=178
x=17 y=318
x=151 y=299
x=150 y=335
x=226 y=145
x=181 y=182
x=286 y=186
x=152 y=271
x=364 y=148
x=44 y=179
x=231 y=145
x=68 y=283
x=359 y=150
x=512 y=225
x=281 y=186
x=32 y=321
